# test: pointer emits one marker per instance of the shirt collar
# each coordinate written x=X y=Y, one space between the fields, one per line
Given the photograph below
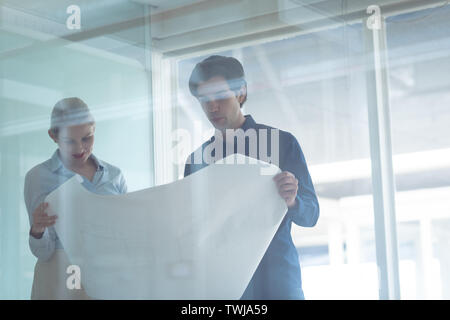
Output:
x=56 y=163
x=100 y=165
x=248 y=123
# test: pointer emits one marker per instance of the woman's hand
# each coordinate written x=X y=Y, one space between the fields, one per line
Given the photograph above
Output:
x=287 y=186
x=41 y=219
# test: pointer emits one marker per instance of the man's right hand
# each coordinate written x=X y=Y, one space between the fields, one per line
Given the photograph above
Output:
x=41 y=220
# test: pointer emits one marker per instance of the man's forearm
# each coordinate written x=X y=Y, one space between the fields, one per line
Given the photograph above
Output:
x=305 y=212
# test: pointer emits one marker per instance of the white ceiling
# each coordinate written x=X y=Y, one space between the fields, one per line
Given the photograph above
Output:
x=164 y=5
x=185 y=27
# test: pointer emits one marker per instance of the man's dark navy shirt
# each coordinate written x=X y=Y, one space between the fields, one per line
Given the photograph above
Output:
x=278 y=274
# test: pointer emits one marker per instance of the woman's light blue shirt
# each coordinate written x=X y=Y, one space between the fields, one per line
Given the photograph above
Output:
x=41 y=180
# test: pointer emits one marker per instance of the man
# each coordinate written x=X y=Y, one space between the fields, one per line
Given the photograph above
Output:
x=219 y=84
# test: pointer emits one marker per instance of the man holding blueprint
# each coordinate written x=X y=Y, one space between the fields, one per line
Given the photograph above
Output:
x=219 y=85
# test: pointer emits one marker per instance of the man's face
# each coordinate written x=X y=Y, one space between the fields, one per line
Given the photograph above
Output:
x=220 y=104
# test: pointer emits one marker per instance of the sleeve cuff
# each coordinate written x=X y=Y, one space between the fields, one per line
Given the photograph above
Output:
x=41 y=242
x=296 y=209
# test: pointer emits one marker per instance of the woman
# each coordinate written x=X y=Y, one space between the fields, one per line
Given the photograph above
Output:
x=72 y=129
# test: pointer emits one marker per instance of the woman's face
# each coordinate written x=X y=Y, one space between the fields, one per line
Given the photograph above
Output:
x=75 y=143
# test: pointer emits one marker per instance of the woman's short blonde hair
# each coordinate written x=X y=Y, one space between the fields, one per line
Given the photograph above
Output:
x=69 y=112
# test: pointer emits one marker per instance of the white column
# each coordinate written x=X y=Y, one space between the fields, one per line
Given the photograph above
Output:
x=335 y=243
x=163 y=117
x=381 y=158
x=443 y=251
x=426 y=257
x=353 y=240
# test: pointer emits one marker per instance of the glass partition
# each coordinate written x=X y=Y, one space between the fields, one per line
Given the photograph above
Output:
x=306 y=66
x=43 y=61
x=419 y=59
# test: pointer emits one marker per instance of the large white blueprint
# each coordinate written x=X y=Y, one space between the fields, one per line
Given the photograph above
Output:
x=201 y=237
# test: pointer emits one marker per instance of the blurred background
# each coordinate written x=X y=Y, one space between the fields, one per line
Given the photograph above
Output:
x=370 y=108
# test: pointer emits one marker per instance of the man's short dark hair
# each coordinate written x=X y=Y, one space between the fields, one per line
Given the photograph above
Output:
x=227 y=67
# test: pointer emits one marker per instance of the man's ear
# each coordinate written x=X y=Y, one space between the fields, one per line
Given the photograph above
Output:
x=52 y=136
x=242 y=94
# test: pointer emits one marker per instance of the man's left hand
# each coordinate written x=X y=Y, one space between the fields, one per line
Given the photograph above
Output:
x=287 y=186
